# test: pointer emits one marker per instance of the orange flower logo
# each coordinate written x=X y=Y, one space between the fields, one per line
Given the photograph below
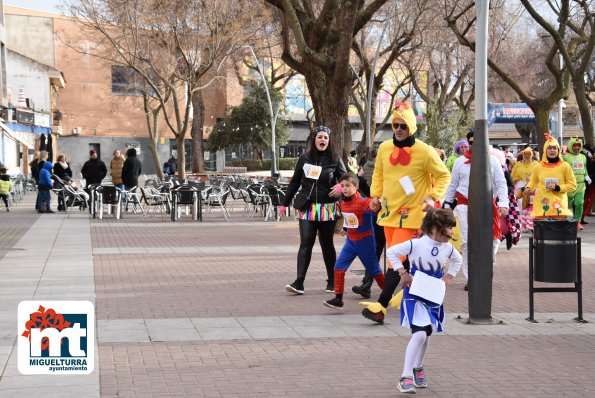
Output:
x=43 y=319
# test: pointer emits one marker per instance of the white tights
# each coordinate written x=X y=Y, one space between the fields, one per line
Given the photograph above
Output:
x=416 y=352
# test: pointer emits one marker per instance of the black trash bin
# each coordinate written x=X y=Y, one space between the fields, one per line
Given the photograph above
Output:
x=555 y=250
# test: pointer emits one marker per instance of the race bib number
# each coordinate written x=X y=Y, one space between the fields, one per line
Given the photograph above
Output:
x=551 y=180
x=578 y=165
x=312 y=171
x=350 y=220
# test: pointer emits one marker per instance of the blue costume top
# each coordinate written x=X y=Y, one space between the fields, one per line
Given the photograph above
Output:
x=430 y=257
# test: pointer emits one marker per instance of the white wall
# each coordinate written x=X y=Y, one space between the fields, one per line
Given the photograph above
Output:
x=33 y=76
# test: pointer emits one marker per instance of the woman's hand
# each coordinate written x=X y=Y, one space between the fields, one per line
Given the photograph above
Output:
x=336 y=191
x=282 y=211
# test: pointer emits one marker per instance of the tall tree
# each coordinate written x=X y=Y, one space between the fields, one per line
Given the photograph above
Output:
x=504 y=19
x=317 y=38
x=576 y=45
x=402 y=22
x=249 y=123
x=176 y=46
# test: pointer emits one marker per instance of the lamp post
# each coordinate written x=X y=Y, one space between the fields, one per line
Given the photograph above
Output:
x=561 y=105
x=480 y=185
x=273 y=113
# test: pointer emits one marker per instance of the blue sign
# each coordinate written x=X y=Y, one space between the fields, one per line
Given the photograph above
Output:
x=509 y=113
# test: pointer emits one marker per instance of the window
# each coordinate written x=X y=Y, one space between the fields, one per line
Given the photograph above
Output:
x=126 y=81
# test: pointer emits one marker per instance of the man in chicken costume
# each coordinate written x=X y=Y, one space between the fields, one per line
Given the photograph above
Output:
x=553 y=179
x=408 y=176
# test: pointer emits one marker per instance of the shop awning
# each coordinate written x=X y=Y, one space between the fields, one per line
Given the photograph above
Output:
x=14 y=136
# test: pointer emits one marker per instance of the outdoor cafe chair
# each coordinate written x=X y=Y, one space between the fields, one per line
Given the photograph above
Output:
x=153 y=199
x=112 y=197
x=276 y=196
x=258 y=199
x=219 y=200
x=184 y=196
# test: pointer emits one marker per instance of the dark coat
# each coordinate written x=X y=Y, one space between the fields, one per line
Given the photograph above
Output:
x=317 y=190
x=131 y=170
x=64 y=174
x=94 y=171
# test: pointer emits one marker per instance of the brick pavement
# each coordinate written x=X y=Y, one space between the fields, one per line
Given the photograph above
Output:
x=152 y=274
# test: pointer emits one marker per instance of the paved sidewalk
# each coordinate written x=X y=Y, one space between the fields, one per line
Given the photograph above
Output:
x=199 y=309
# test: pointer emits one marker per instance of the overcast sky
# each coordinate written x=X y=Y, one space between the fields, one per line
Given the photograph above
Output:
x=41 y=5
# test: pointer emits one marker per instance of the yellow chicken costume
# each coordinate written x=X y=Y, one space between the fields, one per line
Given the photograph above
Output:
x=550 y=203
x=406 y=172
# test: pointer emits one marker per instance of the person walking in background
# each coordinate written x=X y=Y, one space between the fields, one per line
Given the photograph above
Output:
x=553 y=178
x=521 y=174
x=352 y=162
x=408 y=178
x=36 y=167
x=63 y=172
x=316 y=189
x=427 y=255
x=45 y=186
x=94 y=170
x=5 y=187
x=459 y=148
x=458 y=193
x=115 y=167
x=357 y=222
x=578 y=162
x=590 y=193
x=172 y=166
x=131 y=169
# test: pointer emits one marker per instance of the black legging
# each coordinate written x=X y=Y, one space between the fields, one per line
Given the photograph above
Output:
x=326 y=231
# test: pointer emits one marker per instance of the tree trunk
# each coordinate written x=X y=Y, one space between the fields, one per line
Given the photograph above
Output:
x=584 y=108
x=542 y=123
x=181 y=157
x=330 y=108
x=152 y=116
x=361 y=147
x=198 y=121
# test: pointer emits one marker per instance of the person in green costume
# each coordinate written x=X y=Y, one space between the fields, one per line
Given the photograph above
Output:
x=578 y=162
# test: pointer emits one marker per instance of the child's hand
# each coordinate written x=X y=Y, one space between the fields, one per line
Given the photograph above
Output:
x=343 y=232
x=447 y=278
x=374 y=205
x=406 y=279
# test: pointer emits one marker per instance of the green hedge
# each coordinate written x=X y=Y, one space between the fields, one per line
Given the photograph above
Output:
x=260 y=165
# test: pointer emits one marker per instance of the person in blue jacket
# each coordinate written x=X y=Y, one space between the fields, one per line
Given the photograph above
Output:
x=45 y=186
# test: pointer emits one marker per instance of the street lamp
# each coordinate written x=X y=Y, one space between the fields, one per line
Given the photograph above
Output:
x=274 y=113
x=561 y=105
x=480 y=185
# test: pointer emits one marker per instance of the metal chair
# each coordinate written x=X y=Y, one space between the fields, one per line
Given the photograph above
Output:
x=111 y=196
x=219 y=200
x=186 y=195
x=152 y=198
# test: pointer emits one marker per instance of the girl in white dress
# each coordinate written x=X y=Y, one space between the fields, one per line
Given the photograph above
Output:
x=428 y=254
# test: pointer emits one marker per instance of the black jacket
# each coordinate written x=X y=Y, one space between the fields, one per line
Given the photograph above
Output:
x=64 y=174
x=317 y=190
x=94 y=171
x=131 y=171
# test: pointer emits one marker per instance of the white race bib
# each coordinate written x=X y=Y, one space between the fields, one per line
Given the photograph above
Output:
x=350 y=220
x=312 y=171
x=407 y=185
x=577 y=165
